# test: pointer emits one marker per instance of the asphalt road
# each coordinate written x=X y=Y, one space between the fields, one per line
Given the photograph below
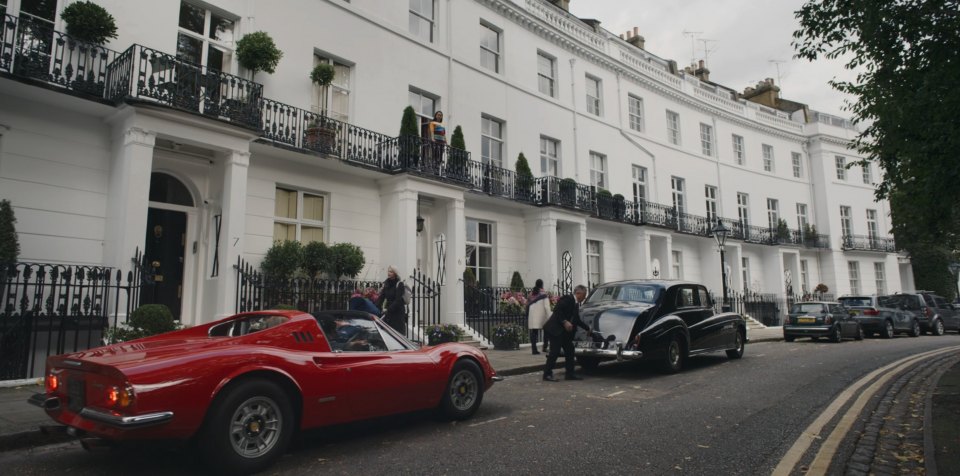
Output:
x=718 y=416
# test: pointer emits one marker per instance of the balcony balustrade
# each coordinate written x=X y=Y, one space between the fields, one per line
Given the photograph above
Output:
x=32 y=50
x=145 y=75
x=868 y=243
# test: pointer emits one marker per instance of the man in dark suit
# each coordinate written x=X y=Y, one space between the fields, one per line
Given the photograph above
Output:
x=560 y=329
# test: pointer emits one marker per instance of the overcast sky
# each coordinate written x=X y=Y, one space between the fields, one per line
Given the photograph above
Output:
x=745 y=37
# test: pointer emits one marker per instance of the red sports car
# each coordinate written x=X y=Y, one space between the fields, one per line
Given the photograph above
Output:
x=241 y=386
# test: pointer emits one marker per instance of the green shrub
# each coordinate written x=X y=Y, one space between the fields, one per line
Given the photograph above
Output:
x=316 y=258
x=322 y=74
x=282 y=260
x=9 y=244
x=89 y=22
x=441 y=333
x=507 y=336
x=346 y=259
x=147 y=320
x=408 y=123
x=457 y=141
x=469 y=278
x=516 y=282
x=257 y=52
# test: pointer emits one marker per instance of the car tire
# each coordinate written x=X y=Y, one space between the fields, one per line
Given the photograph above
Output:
x=836 y=335
x=247 y=428
x=937 y=328
x=887 y=331
x=673 y=361
x=860 y=332
x=789 y=338
x=588 y=364
x=464 y=391
x=915 y=329
x=737 y=351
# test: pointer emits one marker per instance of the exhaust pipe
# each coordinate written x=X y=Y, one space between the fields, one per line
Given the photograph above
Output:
x=95 y=444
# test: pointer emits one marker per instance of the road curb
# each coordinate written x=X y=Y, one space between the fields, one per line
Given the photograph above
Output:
x=31 y=439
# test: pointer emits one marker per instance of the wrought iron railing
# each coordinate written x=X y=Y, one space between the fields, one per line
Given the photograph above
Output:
x=564 y=193
x=145 y=74
x=868 y=243
x=486 y=308
x=33 y=50
x=256 y=292
x=52 y=309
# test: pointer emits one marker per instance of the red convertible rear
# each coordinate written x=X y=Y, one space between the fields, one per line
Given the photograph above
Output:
x=241 y=386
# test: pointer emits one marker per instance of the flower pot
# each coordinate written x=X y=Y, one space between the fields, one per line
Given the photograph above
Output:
x=506 y=345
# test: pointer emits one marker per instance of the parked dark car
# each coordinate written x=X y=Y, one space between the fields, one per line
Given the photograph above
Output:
x=933 y=312
x=816 y=319
x=880 y=315
x=661 y=320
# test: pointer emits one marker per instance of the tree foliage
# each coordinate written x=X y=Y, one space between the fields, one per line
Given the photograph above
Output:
x=457 y=141
x=905 y=55
x=408 y=123
x=9 y=245
x=346 y=259
x=282 y=260
x=87 y=21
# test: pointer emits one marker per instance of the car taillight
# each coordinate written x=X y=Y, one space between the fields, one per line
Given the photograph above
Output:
x=52 y=383
x=927 y=312
x=828 y=319
x=121 y=397
x=871 y=312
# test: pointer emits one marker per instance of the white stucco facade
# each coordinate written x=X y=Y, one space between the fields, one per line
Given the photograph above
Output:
x=78 y=171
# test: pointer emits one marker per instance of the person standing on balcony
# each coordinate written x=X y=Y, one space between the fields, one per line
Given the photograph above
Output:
x=391 y=296
x=538 y=310
x=560 y=329
x=438 y=136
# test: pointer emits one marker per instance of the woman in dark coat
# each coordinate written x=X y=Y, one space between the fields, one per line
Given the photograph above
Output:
x=392 y=295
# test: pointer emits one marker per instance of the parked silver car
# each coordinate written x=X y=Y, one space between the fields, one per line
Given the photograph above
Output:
x=933 y=312
x=881 y=315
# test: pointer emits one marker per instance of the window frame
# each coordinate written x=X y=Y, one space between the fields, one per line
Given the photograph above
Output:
x=768 y=158
x=873 y=226
x=227 y=47
x=743 y=208
x=552 y=79
x=739 y=149
x=706 y=139
x=598 y=175
x=745 y=272
x=853 y=275
x=802 y=219
x=594 y=253
x=867 y=174
x=678 y=191
x=673 y=128
x=333 y=88
x=639 y=183
x=418 y=108
x=594 y=104
x=546 y=158
x=804 y=276
x=498 y=53
x=487 y=140
x=773 y=213
x=477 y=245
x=846 y=220
x=841 y=164
x=676 y=262
x=299 y=221
x=635 y=112
x=431 y=21
x=880 y=277
x=796 y=158
x=710 y=196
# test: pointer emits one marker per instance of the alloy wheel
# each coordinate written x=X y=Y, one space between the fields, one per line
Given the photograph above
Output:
x=255 y=427
x=463 y=389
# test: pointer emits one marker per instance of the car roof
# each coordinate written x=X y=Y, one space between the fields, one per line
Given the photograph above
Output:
x=816 y=302
x=342 y=314
x=661 y=282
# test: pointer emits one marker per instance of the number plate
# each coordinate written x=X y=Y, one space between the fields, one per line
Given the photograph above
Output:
x=583 y=344
x=76 y=393
x=806 y=319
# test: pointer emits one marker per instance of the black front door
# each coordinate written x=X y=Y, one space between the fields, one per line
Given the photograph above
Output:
x=164 y=250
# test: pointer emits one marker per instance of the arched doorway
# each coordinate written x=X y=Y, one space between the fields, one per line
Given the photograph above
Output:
x=165 y=243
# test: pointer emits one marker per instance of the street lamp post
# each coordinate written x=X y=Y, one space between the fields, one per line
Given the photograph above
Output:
x=720 y=233
x=955 y=271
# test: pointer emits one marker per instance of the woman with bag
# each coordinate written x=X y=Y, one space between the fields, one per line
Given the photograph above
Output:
x=391 y=296
x=538 y=311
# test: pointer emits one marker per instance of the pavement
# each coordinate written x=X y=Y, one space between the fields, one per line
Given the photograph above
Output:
x=23 y=425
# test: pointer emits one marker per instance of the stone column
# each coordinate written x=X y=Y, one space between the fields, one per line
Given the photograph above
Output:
x=398 y=235
x=543 y=260
x=580 y=255
x=128 y=196
x=636 y=254
x=451 y=297
x=234 y=168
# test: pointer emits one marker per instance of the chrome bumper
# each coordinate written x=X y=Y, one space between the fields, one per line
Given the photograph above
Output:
x=46 y=402
x=613 y=351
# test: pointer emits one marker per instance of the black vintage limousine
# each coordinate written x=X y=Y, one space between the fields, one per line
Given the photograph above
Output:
x=661 y=320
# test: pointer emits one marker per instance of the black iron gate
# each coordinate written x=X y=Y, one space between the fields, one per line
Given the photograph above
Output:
x=52 y=309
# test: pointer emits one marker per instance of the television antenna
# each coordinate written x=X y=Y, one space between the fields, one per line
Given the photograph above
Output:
x=777 y=63
x=693 y=43
x=707 y=50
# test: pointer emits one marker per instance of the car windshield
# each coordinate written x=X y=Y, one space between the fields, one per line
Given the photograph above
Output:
x=856 y=301
x=626 y=292
x=807 y=308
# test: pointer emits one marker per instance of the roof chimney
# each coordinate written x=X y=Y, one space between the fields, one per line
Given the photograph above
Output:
x=564 y=4
x=766 y=93
x=634 y=38
x=698 y=70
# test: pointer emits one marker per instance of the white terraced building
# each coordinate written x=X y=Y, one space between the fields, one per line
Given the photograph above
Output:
x=161 y=142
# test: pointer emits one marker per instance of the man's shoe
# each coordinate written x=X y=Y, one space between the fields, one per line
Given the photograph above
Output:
x=573 y=377
x=550 y=378
x=536 y=352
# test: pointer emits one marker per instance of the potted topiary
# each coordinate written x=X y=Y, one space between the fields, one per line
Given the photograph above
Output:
x=783 y=231
x=457 y=162
x=346 y=259
x=810 y=234
x=524 y=181
x=321 y=133
x=516 y=282
x=257 y=52
x=619 y=207
x=282 y=260
x=409 y=140
x=89 y=23
x=604 y=203
x=507 y=336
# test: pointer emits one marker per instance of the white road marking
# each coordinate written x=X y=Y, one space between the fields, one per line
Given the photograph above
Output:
x=812 y=432
x=614 y=394
x=489 y=421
